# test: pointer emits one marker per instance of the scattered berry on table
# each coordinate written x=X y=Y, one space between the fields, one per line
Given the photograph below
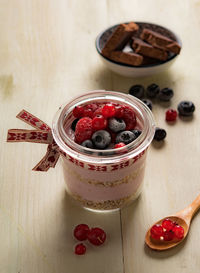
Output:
x=152 y=90
x=168 y=224
x=165 y=94
x=148 y=103
x=74 y=122
x=101 y=139
x=80 y=249
x=125 y=136
x=99 y=122
x=81 y=231
x=171 y=115
x=96 y=236
x=78 y=111
x=160 y=134
x=87 y=143
x=116 y=124
x=156 y=232
x=130 y=118
x=119 y=145
x=108 y=110
x=83 y=130
x=186 y=108
x=137 y=91
x=178 y=232
x=136 y=132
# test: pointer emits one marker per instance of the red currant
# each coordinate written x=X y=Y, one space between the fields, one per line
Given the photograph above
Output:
x=81 y=231
x=178 y=232
x=119 y=145
x=83 y=130
x=96 y=236
x=108 y=110
x=130 y=118
x=80 y=249
x=168 y=235
x=168 y=224
x=99 y=123
x=171 y=115
x=156 y=232
x=78 y=111
x=119 y=111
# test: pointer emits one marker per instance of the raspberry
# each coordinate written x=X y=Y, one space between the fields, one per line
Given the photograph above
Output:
x=119 y=111
x=80 y=249
x=156 y=232
x=130 y=118
x=81 y=231
x=171 y=115
x=178 y=232
x=83 y=130
x=119 y=145
x=96 y=236
x=97 y=112
x=78 y=111
x=99 y=123
x=168 y=235
x=89 y=110
x=168 y=224
x=108 y=110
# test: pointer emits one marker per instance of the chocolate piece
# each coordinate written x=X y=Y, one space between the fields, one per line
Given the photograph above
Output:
x=126 y=57
x=145 y=49
x=160 y=41
x=119 y=38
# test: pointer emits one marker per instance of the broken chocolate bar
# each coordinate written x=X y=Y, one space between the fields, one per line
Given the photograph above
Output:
x=148 y=50
x=160 y=41
x=126 y=58
x=119 y=38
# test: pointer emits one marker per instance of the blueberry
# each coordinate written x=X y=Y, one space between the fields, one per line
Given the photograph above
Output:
x=160 y=134
x=126 y=137
x=101 y=139
x=186 y=108
x=74 y=122
x=116 y=124
x=165 y=94
x=137 y=91
x=136 y=132
x=152 y=90
x=148 y=103
x=88 y=144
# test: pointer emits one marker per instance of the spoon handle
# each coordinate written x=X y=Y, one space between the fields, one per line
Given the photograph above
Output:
x=190 y=210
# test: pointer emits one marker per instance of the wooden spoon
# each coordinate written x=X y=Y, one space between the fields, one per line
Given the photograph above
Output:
x=182 y=218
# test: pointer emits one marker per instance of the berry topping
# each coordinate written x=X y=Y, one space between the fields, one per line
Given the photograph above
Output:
x=101 y=139
x=126 y=137
x=80 y=249
x=81 y=231
x=160 y=134
x=89 y=110
x=136 y=132
x=116 y=124
x=119 y=145
x=78 y=111
x=119 y=111
x=168 y=235
x=186 y=108
x=137 y=91
x=148 y=103
x=87 y=143
x=152 y=90
x=178 y=232
x=165 y=94
x=74 y=122
x=108 y=110
x=168 y=224
x=97 y=112
x=96 y=236
x=99 y=123
x=156 y=232
x=130 y=118
x=83 y=129
x=171 y=115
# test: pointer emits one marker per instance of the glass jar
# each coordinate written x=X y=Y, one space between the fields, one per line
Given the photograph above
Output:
x=103 y=179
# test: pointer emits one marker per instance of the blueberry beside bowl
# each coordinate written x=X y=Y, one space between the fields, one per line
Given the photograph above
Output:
x=145 y=69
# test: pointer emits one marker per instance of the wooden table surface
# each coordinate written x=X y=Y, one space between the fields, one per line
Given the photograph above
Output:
x=47 y=56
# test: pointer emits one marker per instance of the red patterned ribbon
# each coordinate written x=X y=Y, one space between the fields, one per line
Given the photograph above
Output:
x=43 y=134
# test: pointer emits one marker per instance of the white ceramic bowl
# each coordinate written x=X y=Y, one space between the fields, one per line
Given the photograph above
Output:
x=136 y=71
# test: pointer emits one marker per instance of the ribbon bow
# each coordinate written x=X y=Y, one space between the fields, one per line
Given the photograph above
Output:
x=43 y=134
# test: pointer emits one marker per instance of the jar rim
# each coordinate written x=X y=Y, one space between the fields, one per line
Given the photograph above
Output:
x=68 y=146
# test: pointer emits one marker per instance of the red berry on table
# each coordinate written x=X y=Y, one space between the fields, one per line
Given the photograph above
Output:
x=168 y=235
x=156 y=232
x=178 y=232
x=80 y=249
x=119 y=111
x=130 y=118
x=99 y=123
x=78 y=111
x=119 y=145
x=96 y=236
x=168 y=224
x=171 y=115
x=83 y=130
x=108 y=110
x=81 y=232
